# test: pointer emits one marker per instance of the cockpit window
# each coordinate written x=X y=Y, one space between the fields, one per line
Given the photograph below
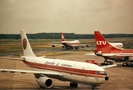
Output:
x=101 y=72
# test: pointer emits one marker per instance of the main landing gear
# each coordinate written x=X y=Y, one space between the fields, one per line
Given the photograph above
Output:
x=106 y=62
x=93 y=87
x=73 y=85
x=68 y=48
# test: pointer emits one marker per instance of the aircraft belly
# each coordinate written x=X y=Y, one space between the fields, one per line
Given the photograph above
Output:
x=93 y=80
x=70 y=44
x=76 y=78
x=83 y=79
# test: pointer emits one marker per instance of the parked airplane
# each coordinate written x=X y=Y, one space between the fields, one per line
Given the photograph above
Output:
x=106 y=50
x=70 y=44
x=44 y=69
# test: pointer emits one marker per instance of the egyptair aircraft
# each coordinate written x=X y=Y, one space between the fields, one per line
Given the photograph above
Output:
x=108 y=51
x=44 y=69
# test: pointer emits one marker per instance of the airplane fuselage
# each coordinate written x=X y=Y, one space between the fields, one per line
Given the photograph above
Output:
x=117 y=55
x=72 y=71
x=70 y=43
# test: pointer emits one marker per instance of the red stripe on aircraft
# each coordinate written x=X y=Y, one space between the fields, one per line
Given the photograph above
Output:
x=66 y=69
x=70 y=44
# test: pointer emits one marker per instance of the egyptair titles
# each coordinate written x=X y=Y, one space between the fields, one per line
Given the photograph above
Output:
x=58 y=64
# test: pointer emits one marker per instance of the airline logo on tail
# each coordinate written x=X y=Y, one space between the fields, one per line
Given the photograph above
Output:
x=24 y=43
x=101 y=42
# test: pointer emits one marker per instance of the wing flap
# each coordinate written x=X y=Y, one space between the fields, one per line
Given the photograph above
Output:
x=21 y=59
x=31 y=71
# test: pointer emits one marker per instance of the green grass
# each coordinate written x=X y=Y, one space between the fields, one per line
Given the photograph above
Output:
x=10 y=45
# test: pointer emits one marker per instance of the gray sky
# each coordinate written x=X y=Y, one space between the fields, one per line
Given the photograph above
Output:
x=77 y=16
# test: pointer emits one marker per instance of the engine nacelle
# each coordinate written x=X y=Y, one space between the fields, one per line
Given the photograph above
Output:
x=99 y=53
x=82 y=46
x=88 y=45
x=63 y=46
x=44 y=82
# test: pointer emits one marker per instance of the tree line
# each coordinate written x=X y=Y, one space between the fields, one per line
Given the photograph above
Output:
x=57 y=36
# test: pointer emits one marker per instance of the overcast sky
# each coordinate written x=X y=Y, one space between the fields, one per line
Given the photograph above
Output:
x=77 y=16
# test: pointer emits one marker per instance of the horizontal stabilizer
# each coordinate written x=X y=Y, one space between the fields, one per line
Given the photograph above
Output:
x=42 y=56
x=109 y=66
x=90 y=54
x=12 y=58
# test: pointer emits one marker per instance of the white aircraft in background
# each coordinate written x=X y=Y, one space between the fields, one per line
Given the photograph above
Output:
x=44 y=69
x=70 y=44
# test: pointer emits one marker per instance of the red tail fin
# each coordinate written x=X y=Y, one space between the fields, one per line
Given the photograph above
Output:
x=102 y=43
x=62 y=37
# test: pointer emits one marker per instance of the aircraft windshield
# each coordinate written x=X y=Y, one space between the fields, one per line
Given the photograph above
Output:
x=101 y=72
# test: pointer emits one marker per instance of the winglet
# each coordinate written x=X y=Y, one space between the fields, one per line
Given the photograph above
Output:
x=26 y=45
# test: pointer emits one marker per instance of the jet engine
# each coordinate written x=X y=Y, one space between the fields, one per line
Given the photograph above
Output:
x=99 y=53
x=44 y=82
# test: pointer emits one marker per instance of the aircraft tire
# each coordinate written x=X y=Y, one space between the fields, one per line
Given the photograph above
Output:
x=76 y=47
x=110 y=62
x=74 y=85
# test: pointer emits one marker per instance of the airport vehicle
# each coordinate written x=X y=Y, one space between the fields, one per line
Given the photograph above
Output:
x=65 y=70
x=108 y=51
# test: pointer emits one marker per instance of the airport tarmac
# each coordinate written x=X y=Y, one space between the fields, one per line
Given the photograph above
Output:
x=120 y=78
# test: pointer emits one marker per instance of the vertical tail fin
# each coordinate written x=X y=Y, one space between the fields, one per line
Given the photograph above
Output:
x=101 y=42
x=26 y=45
x=62 y=37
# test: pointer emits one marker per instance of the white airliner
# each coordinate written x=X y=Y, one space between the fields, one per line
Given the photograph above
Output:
x=70 y=44
x=44 y=69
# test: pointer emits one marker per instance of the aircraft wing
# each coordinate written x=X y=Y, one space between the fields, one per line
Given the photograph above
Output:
x=109 y=66
x=31 y=71
x=93 y=54
x=12 y=58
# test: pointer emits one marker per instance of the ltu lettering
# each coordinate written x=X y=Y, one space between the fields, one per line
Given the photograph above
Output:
x=101 y=42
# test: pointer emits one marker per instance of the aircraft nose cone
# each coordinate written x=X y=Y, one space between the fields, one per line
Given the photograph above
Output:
x=106 y=78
